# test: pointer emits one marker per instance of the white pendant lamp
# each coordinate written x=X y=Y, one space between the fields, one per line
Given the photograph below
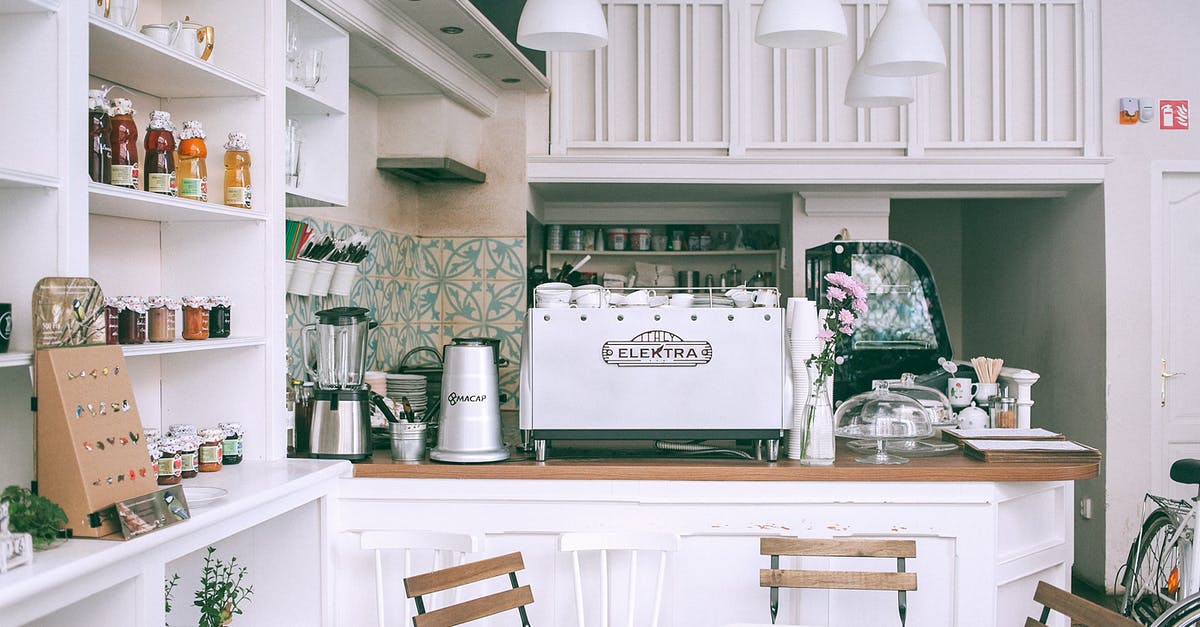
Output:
x=562 y=25
x=866 y=91
x=904 y=44
x=800 y=24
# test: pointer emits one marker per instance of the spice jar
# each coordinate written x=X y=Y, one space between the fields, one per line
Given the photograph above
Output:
x=218 y=316
x=131 y=327
x=1003 y=410
x=170 y=463
x=189 y=446
x=195 y=317
x=112 y=320
x=161 y=318
x=231 y=446
x=210 y=449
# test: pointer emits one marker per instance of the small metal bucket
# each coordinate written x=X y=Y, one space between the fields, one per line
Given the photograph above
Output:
x=408 y=441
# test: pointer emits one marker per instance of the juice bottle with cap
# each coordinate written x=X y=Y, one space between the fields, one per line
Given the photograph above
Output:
x=237 y=171
x=125 y=168
x=159 y=171
x=192 y=172
x=99 y=140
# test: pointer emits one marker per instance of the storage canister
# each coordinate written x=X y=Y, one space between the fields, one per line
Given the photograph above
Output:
x=639 y=239
x=161 y=318
x=618 y=238
x=195 y=317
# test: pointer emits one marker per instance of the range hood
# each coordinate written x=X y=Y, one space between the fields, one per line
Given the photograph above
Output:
x=430 y=169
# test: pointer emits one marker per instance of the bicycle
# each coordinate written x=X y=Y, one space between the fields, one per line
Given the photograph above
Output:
x=1162 y=572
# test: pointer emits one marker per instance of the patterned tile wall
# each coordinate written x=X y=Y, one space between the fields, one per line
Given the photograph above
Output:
x=425 y=291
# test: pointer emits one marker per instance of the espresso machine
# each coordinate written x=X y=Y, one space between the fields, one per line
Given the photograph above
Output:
x=341 y=415
x=469 y=425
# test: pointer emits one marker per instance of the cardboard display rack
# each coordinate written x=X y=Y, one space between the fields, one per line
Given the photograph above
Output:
x=91 y=451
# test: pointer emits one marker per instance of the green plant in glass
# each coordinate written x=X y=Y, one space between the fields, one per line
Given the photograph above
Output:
x=221 y=592
x=168 y=590
x=36 y=515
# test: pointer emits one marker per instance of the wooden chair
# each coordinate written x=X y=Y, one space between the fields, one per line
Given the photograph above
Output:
x=517 y=598
x=622 y=542
x=776 y=578
x=1078 y=609
x=438 y=548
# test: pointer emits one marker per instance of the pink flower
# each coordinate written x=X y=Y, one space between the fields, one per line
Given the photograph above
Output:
x=856 y=287
x=835 y=294
x=838 y=278
x=824 y=335
x=860 y=305
x=845 y=316
x=847 y=329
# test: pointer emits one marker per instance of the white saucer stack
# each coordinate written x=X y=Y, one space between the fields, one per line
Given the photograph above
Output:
x=802 y=343
x=411 y=385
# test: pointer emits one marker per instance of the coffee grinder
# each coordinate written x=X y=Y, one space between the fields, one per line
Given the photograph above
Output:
x=469 y=423
x=341 y=415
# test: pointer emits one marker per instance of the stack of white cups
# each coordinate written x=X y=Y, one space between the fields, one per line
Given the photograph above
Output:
x=802 y=326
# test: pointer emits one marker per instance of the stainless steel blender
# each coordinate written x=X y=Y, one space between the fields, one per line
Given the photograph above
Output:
x=341 y=417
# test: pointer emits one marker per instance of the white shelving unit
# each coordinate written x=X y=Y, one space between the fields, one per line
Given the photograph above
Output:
x=120 y=202
x=321 y=112
x=27 y=6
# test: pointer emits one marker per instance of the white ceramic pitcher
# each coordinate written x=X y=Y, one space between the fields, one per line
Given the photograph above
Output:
x=123 y=12
x=193 y=39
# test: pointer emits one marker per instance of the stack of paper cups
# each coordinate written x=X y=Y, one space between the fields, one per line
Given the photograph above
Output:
x=802 y=327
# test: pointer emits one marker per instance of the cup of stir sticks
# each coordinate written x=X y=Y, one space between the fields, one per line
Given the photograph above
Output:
x=987 y=370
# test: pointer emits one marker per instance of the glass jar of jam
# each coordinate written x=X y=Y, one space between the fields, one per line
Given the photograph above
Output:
x=189 y=446
x=181 y=429
x=170 y=463
x=161 y=318
x=231 y=446
x=210 y=449
x=112 y=320
x=218 y=316
x=131 y=327
x=195 y=317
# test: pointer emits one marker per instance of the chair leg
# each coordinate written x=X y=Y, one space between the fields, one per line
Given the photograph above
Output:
x=512 y=578
x=774 y=591
x=902 y=600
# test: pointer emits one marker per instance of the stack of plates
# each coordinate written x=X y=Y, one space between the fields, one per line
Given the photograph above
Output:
x=411 y=385
x=712 y=300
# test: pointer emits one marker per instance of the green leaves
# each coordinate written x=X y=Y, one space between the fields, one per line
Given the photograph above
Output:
x=221 y=592
x=33 y=514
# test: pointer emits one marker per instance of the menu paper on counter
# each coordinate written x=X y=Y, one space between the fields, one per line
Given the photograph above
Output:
x=1060 y=451
x=955 y=434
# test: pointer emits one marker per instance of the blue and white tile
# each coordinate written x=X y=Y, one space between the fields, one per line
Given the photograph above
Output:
x=410 y=258
x=505 y=258
x=462 y=258
x=463 y=302
x=428 y=262
x=426 y=302
x=504 y=302
x=366 y=294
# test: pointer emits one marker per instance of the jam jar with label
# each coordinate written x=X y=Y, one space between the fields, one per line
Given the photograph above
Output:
x=189 y=452
x=195 y=317
x=210 y=449
x=112 y=319
x=161 y=318
x=218 y=316
x=132 y=322
x=231 y=446
x=170 y=463
x=181 y=429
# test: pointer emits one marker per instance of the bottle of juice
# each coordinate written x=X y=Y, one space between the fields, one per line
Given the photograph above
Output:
x=125 y=172
x=237 y=171
x=99 y=142
x=192 y=172
x=159 y=171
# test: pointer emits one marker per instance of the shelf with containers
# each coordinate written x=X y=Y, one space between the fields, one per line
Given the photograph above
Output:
x=318 y=104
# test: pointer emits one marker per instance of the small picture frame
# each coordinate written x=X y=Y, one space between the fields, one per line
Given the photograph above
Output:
x=150 y=512
x=16 y=549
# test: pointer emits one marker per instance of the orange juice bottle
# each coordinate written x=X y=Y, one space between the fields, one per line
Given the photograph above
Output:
x=192 y=171
x=237 y=171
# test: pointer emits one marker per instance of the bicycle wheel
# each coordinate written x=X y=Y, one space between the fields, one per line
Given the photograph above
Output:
x=1152 y=571
x=1185 y=614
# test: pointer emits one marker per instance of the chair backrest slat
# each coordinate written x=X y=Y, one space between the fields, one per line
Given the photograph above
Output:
x=840 y=547
x=1080 y=610
x=837 y=580
x=454 y=576
x=475 y=609
x=1033 y=622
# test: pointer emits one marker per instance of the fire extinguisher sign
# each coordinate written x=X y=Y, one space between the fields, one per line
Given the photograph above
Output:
x=1173 y=115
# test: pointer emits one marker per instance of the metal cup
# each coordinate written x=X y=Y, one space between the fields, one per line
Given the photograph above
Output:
x=408 y=441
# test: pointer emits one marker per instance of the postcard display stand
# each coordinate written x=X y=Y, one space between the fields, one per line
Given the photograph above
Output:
x=91 y=452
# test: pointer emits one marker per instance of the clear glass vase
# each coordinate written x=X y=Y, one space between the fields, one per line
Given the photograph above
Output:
x=817 y=443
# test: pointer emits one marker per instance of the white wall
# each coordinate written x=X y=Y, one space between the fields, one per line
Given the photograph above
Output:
x=934 y=228
x=1133 y=66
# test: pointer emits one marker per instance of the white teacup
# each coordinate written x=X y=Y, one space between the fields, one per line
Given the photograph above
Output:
x=742 y=299
x=638 y=298
x=985 y=391
x=616 y=299
x=766 y=298
x=589 y=296
x=682 y=300
x=958 y=390
x=658 y=301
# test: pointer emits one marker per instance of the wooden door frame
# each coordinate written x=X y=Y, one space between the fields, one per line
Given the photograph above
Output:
x=1159 y=171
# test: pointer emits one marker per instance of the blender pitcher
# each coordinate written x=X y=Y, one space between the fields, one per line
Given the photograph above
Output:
x=342 y=334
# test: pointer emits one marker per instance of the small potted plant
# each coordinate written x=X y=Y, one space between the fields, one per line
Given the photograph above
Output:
x=221 y=592
x=35 y=515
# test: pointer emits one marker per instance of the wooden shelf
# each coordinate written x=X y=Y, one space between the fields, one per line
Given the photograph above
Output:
x=125 y=57
x=27 y=6
x=9 y=360
x=301 y=101
x=16 y=179
x=663 y=253
x=190 y=346
x=121 y=202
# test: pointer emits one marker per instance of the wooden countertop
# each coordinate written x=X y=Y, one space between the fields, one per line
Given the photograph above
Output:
x=953 y=467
